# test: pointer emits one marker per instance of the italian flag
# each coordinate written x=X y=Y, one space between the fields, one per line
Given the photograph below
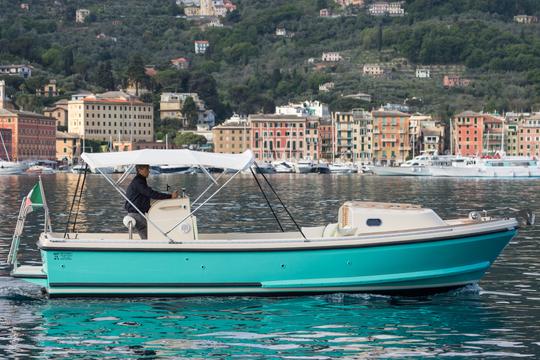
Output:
x=34 y=199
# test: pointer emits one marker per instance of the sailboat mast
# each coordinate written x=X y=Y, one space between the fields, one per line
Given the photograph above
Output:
x=4 y=146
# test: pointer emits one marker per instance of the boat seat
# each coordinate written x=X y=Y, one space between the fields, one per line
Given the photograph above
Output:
x=129 y=222
x=330 y=230
x=313 y=232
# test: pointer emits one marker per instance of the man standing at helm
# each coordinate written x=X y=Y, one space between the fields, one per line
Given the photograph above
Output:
x=139 y=193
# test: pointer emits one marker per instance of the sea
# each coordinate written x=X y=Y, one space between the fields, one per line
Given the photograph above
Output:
x=497 y=318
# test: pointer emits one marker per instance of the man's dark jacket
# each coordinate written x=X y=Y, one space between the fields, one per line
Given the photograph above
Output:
x=139 y=193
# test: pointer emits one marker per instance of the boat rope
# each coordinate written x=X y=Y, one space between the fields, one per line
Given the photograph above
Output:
x=267 y=201
x=72 y=204
x=80 y=197
x=281 y=202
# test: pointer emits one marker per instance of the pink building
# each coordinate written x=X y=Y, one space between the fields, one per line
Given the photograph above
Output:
x=325 y=13
x=180 y=63
x=467 y=133
x=450 y=81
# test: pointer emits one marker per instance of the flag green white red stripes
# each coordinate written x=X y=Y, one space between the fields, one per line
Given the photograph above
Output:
x=34 y=199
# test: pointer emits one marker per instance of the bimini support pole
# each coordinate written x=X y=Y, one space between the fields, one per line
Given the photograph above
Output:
x=282 y=204
x=198 y=207
x=110 y=181
x=267 y=201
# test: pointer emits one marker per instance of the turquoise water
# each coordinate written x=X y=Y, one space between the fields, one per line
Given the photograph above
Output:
x=497 y=318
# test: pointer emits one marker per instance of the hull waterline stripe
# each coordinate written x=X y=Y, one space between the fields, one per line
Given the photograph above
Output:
x=303 y=248
x=155 y=285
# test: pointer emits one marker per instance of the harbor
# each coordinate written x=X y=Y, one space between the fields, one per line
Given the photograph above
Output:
x=495 y=316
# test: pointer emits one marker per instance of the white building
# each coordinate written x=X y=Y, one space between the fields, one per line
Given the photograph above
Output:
x=306 y=108
x=326 y=86
x=201 y=46
x=112 y=115
x=24 y=71
x=281 y=31
x=331 y=56
x=373 y=69
x=386 y=9
x=81 y=15
x=423 y=73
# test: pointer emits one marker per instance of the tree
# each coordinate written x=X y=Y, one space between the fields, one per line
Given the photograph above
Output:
x=189 y=111
x=189 y=138
x=104 y=76
x=136 y=72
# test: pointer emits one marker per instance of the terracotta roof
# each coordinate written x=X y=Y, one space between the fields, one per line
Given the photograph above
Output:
x=389 y=113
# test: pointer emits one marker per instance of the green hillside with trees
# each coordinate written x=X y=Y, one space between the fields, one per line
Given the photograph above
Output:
x=249 y=69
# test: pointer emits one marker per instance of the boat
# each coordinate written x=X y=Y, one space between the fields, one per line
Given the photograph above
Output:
x=372 y=247
x=263 y=168
x=40 y=170
x=11 y=167
x=79 y=169
x=340 y=168
x=303 y=166
x=283 y=167
x=418 y=166
x=320 y=168
x=503 y=166
x=172 y=169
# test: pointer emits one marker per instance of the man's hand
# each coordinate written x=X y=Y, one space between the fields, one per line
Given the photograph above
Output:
x=174 y=194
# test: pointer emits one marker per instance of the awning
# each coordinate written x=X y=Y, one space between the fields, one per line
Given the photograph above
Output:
x=169 y=157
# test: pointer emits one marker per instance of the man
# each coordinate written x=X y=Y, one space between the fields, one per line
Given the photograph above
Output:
x=139 y=193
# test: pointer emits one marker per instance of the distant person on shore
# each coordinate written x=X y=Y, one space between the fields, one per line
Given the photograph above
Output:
x=139 y=193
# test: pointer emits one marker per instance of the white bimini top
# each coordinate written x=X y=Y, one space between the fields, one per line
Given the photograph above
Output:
x=175 y=157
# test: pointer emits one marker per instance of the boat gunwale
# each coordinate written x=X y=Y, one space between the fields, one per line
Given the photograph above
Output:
x=265 y=245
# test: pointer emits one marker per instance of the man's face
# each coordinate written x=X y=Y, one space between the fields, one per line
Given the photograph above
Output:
x=144 y=171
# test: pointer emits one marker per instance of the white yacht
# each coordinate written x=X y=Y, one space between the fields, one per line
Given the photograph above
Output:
x=505 y=166
x=11 y=167
x=340 y=168
x=283 y=167
x=303 y=166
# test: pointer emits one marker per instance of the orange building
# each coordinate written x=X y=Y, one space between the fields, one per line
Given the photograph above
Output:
x=467 y=133
x=391 y=137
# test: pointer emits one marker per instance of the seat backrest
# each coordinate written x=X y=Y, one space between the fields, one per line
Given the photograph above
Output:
x=165 y=214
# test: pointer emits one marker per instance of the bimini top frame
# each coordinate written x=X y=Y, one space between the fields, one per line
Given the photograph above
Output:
x=237 y=162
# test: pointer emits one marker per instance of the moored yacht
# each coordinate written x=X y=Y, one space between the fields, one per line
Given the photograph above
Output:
x=283 y=167
x=505 y=166
x=303 y=166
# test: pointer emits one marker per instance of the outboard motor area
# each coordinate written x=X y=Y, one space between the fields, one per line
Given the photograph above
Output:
x=166 y=214
x=359 y=217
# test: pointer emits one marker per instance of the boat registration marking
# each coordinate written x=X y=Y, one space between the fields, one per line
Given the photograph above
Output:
x=62 y=256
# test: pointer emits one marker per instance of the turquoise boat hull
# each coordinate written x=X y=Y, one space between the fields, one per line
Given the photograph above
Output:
x=418 y=266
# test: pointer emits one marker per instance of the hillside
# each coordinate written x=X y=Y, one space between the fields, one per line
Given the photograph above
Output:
x=249 y=69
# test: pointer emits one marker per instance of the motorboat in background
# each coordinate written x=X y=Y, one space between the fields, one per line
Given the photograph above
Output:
x=263 y=168
x=303 y=166
x=11 y=167
x=500 y=166
x=373 y=247
x=340 y=168
x=283 y=167
x=320 y=168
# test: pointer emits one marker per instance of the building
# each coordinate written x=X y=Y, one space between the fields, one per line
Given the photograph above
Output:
x=111 y=115
x=423 y=73
x=59 y=112
x=278 y=137
x=525 y=19
x=492 y=141
x=431 y=139
x=511 y=137
x=180 y=63
x=32 y=135
x=529 y=136
x=281 y=31
x=306 y=108
x=325 y=13
x=201 y=46
x=426 y=134
x=331 y=56
x=345 y=3
x=68 y=147
x=6 y=142
x=172 y=105
x=233 y=136
x=373 y=70
x=192 y=11
x=391 y=137
x=81 y=15
x=344 y=128
x=362 y=136
x=326 y=86
x=467 y=133
x=25 y=6
x=386 y=9
x=141 y=145
x=48 y=90
x=450 y=81
x=24 y=71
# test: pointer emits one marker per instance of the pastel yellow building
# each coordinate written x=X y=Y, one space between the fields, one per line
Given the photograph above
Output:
x=111 y=116
x=233 y=136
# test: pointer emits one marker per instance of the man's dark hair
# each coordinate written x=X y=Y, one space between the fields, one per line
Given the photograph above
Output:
x=140 y=167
